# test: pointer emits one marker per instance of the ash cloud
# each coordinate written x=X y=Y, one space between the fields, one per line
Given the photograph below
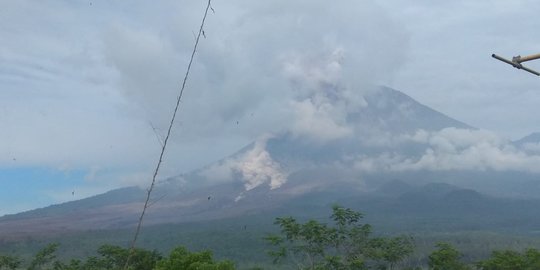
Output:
x=257 y=167
x=286 y=66
x=320 y=107
x=282 y=67
x=254 y=167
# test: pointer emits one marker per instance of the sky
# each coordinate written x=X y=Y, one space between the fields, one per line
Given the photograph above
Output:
x=87 y=87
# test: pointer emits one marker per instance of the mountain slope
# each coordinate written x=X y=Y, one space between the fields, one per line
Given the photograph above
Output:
x=531 y=138
x=285 y=174
x=395 y=112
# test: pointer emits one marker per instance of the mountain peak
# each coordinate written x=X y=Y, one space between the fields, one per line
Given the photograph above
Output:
x=399 y=113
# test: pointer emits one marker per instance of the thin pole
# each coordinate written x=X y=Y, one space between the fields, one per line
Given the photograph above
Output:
x=164 y=146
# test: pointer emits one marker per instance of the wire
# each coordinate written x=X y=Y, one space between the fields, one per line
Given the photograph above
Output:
x=164 y=146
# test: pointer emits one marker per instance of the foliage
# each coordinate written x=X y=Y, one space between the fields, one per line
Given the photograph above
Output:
x=446 y=257
x=345 y=245
x=228 y=239
x=181 y=258
x=114 y=257
x=507 y=260
x=9 y=262
x=44 y=257
x=389 y=252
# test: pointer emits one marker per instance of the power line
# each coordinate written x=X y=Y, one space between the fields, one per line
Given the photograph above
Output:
x=164 y=145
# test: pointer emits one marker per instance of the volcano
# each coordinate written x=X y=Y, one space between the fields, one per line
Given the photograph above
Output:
x=395 y=144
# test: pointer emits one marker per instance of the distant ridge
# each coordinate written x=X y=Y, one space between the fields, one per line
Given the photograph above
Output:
x=531 y=138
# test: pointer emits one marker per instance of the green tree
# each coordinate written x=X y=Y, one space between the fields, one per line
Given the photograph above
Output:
x=9 y=262
x=532 y=258
x=503 y=260
x=181 y=258
x=44 y=257
x=446 y=257
x=389 y=252
x=345 y=245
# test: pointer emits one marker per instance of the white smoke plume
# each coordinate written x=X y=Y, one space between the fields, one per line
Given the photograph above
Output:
x=322 y=102
x=255 y=167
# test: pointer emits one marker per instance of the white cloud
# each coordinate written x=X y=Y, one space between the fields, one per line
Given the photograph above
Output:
x=311 y=75
x=321 y=101
x=450 y=66
x=533 y=148
x=319 y=122
x=455 y=149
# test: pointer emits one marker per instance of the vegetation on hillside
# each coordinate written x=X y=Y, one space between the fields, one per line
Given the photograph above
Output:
x=347 y=244
x=344 y=244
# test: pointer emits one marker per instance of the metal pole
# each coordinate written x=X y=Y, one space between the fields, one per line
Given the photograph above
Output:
x=516 y=62
x=521 y=59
